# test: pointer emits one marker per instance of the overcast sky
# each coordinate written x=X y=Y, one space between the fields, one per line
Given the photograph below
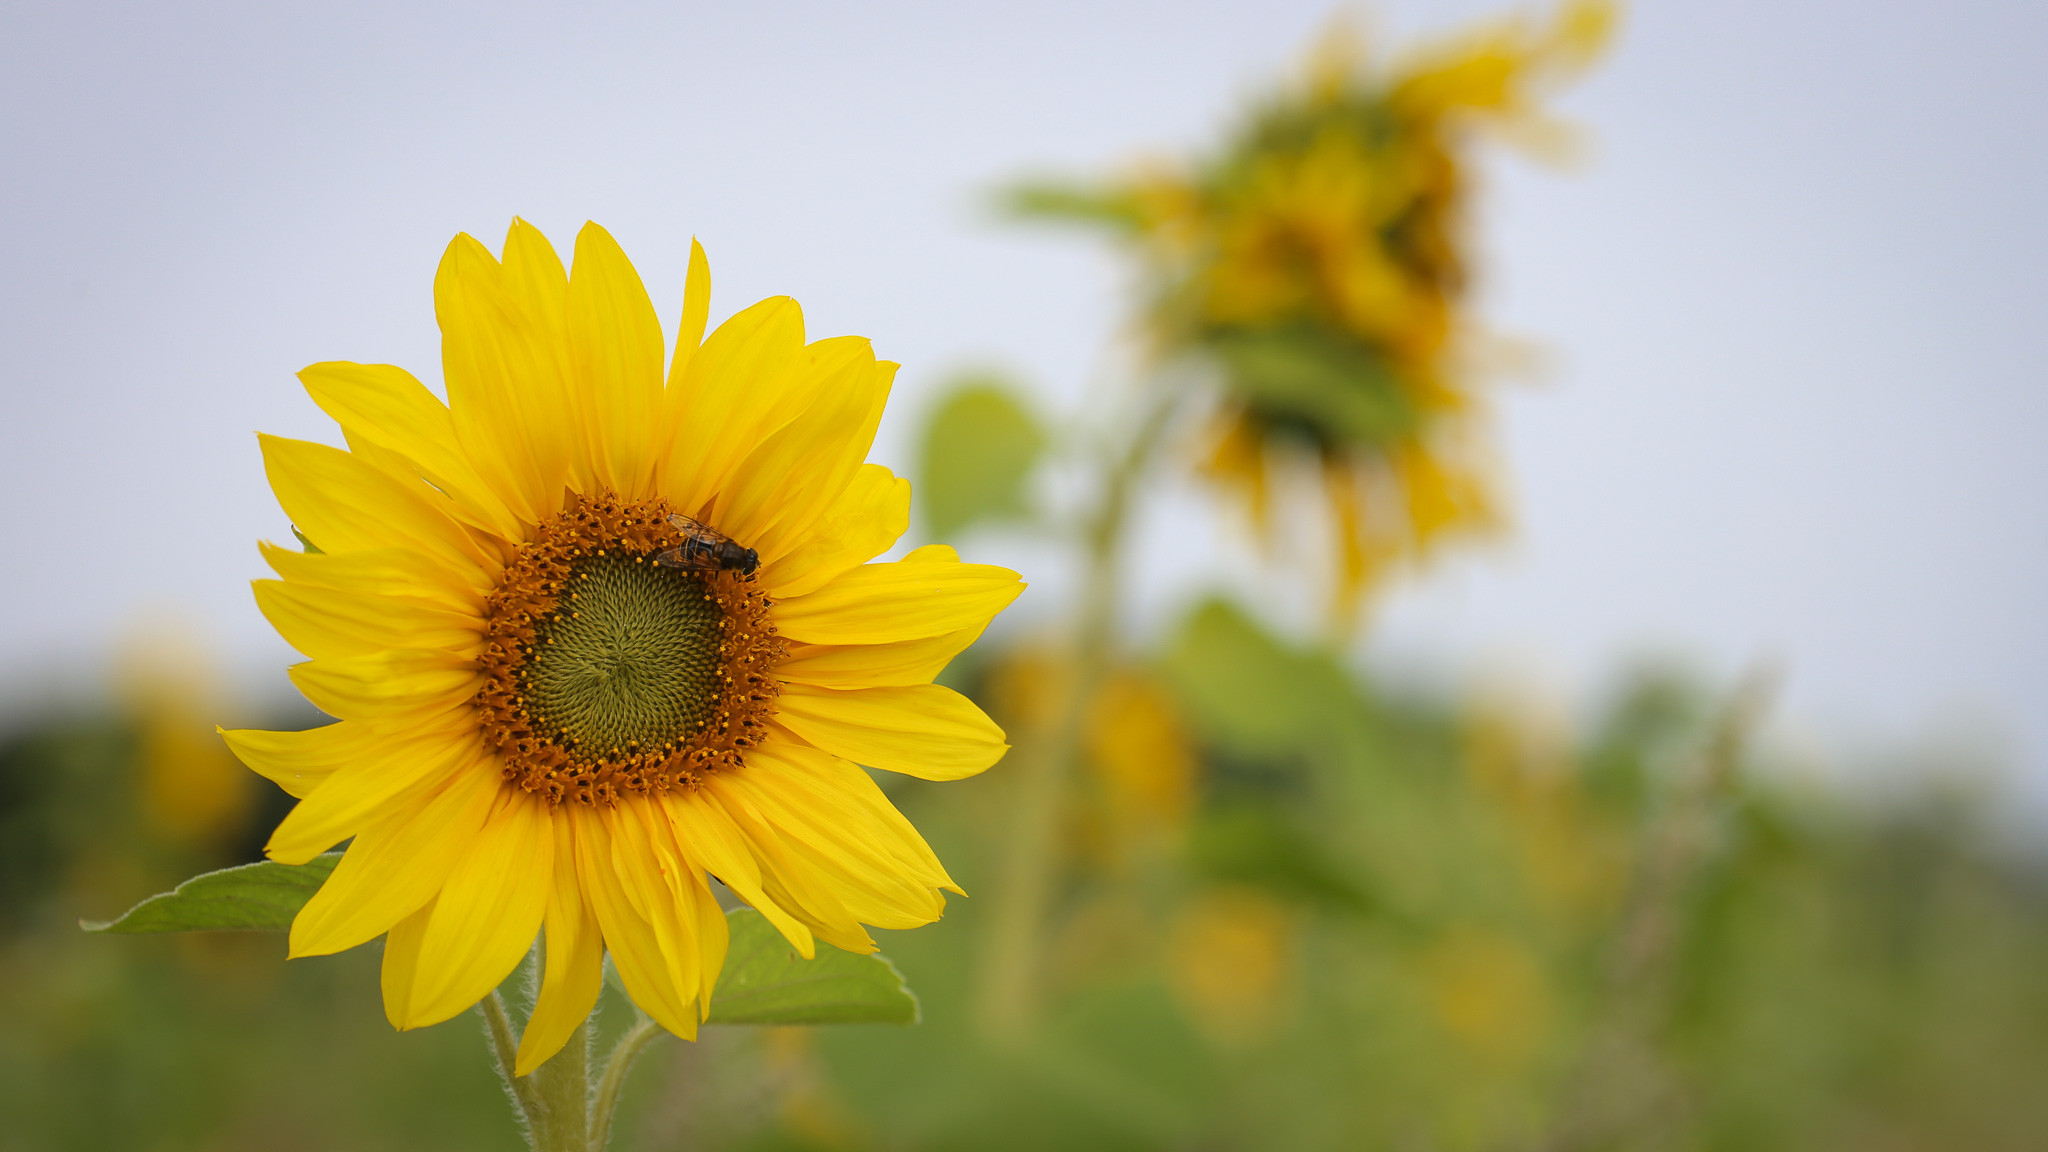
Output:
x=1793 y=301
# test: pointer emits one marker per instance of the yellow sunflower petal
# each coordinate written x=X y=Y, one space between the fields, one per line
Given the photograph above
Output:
x=388 y=407
x=714 y=937
x=395 y=867
x=849 y=852
x=389 y=573
x=696 y=313
x=842 y=813
x=487 y=912
x=781 y=489
x=787 y=876
x=326 y=623
x=630 y=936
x=299 y=762
x=712 y=837
x=665 y=886
x=735 y=393
x=868 y=517
x=615 y=351
x=574 y=975
x=401 y=960
x=895 y=665
x=923 y=730
x=492 y=353
x=387 y=685
x=908 y=600
x=551 y=419
x=385 y=769
x=345 y=505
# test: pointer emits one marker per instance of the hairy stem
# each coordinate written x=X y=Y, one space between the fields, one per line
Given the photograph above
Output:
x=616 y=1065
x=505 y=1051
x=562 y=1088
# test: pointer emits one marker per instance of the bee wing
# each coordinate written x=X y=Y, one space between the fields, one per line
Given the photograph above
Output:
x=683 y=557
x=697 y=528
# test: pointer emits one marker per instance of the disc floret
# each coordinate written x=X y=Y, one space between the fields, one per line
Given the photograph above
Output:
x=607 y=673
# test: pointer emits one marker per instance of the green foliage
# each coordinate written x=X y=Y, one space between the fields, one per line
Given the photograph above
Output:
x=261 y=896
x=765 y=981
x=979 y=450
x=1448 y=884
x=1452 y=880
x=1316 y=384
x=1053 y=200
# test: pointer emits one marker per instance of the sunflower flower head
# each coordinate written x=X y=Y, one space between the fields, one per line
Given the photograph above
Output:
x=599 y=629
x=1318 y=264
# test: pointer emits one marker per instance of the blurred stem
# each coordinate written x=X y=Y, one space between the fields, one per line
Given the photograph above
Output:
x=1045 y=767
x=1622 y=1082
x=616 y=1065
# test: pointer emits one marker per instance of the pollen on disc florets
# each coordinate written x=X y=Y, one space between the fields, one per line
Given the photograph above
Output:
x=607 y=673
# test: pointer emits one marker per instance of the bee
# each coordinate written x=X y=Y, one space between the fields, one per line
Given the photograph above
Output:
x=706 y=549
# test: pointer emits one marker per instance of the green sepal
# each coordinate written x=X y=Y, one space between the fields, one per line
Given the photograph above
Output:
x=252 y=897
x=765 y=981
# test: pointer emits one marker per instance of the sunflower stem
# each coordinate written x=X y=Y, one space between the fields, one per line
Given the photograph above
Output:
x=562 y=1088
x=1012 y=960
x=616 y=1065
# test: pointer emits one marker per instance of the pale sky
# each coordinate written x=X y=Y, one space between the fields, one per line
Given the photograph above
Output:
x=1793 y=299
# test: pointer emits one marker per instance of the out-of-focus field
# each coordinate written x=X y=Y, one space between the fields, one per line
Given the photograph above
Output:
x=1298 y=911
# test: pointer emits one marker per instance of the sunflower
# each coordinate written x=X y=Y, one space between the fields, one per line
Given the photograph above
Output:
x=540 y=725
x=1318 y=263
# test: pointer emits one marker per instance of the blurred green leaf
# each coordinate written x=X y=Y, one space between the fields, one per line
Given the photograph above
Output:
x=1048 y=200
x=1247 y=694
x=309 y=545
x=765 y=981
x=1258 y=845
x=1318 y=384
x=261 y=896
x=979 y=450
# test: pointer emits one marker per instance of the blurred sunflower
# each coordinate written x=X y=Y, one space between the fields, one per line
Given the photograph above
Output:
x=542 y=725
x=1318 y=261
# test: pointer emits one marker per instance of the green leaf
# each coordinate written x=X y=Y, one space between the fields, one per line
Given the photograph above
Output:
x=1258 y=844
x=979 y=450
x=766 y=982
x=310 y=546
x=252 y=897
x=1318 y=384
x=1072 y=203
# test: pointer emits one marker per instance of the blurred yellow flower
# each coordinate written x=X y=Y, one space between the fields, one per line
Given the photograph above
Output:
x=1231 y=962
x=1143 y=761
x=193 y=792
x=1319 y=261
x=1489 y=992
x=560 y=706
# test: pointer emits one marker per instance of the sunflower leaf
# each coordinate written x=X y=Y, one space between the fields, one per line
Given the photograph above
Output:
x=766 y=982
x=257 y=897
x=979 y=451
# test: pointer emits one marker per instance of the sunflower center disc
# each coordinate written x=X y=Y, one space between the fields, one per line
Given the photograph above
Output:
x=630 y=658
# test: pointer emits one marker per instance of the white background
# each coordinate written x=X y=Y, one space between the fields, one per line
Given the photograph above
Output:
x=1793 y=301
